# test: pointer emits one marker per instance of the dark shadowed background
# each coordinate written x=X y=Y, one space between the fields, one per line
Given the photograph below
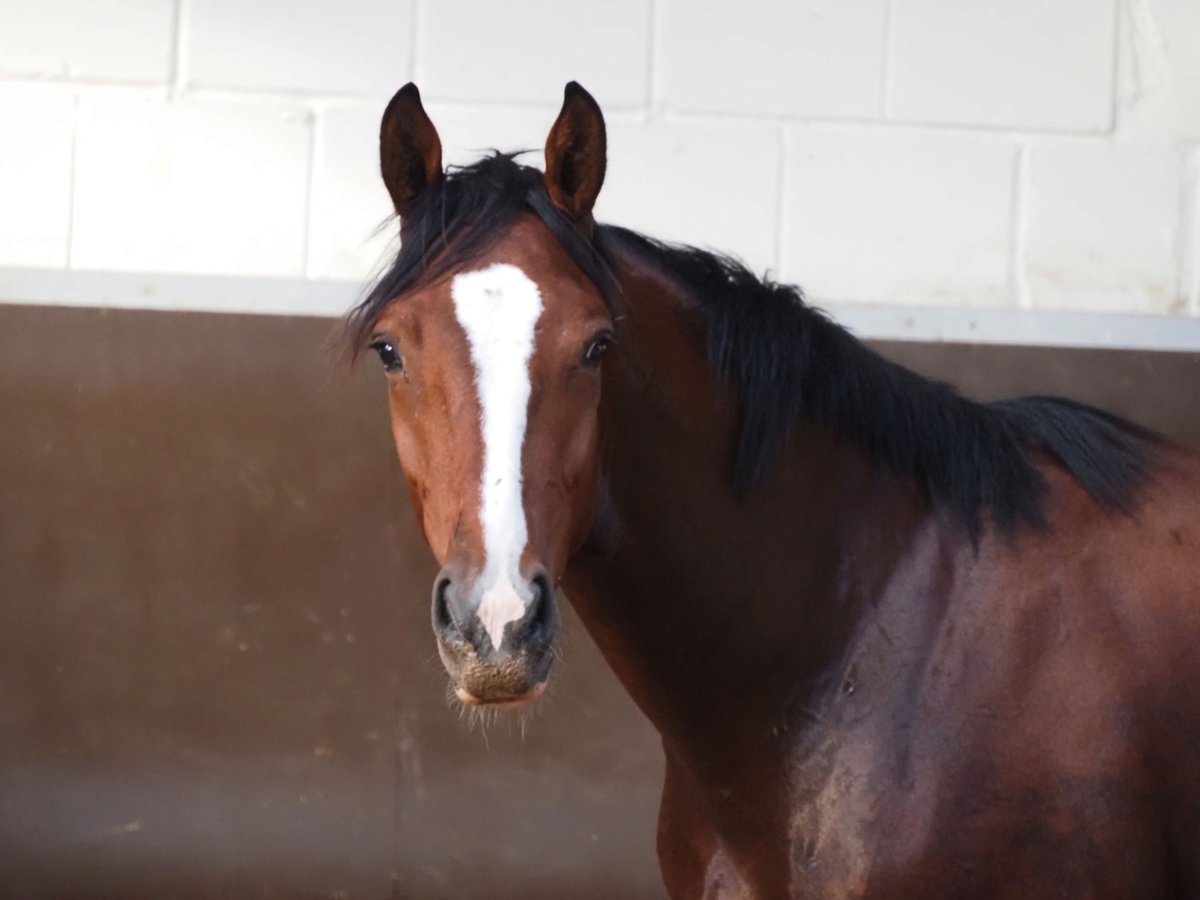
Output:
x=217 y=676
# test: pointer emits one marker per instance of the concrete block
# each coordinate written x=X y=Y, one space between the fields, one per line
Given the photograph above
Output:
x=802 y=58
x=1158 y=73
x=35 y=174
x=712 y=186
x=526 y=50
x=193 y=186
x=1019 y=64
x=1103 y=226
x=318 y=46
x=892 y=216
x=350 y=233
x=112 y=40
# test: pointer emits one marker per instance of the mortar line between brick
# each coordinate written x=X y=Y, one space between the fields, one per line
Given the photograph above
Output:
x=226 y=93
x=310 y=189
x=414 y=47
x=885 y=71
x=1182 y=237
x=1114 y=110
x=658 y=15
x=550 y=107
x=1189 y=234
x=78 y=81
x=71 y=179
x=1020 y=223
x=781 y=190
x=651 y=56
x=179 y=57
x=875 y=123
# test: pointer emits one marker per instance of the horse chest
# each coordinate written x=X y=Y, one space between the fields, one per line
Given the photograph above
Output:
x=838 y=819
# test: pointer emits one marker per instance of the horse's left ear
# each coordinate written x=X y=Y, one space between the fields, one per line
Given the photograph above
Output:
x=410 y=151
x=576 y=151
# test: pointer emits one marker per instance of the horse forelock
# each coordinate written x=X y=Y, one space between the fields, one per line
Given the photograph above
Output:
x=457 y=221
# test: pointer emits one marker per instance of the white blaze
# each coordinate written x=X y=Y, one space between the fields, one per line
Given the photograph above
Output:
x=498 y=307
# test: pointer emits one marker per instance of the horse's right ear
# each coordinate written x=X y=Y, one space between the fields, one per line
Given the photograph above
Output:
x=410 y=152
x=576 y=154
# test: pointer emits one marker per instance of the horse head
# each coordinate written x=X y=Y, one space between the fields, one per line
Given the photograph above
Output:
x=493 y=340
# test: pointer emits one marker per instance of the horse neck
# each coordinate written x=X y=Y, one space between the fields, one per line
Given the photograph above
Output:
x=708 y=603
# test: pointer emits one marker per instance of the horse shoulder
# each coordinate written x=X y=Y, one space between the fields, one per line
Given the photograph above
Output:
x=1133 y=580
x=995 y=696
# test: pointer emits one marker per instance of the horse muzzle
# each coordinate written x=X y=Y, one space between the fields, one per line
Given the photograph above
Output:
x=467 y=633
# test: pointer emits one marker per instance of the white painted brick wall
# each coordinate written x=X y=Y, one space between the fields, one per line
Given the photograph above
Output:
x=349 y=210
x=354 y=47
x=1031 y=154
x=35 y=174
x=523 y=51
x=190 y=185
x=1103 y=227
x=904 y=216
x=712 y=185
x=774 y=57
x=90 y=40
x=1035 y=64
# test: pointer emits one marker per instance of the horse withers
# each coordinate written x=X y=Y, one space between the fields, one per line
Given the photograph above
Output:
x=897 y=643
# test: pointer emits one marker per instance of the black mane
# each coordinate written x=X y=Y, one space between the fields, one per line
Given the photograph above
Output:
x=786 y=359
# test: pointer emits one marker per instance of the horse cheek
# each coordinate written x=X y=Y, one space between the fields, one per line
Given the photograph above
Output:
x=581 y=476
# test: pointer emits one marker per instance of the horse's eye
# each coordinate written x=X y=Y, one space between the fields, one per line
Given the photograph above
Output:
x=596 y=349
x=388 y=355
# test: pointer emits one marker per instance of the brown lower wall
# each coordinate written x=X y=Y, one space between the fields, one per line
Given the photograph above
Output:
x=217 y=676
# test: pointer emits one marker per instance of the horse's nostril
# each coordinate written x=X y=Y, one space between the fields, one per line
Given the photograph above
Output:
x=540 y=617
x=443 y=618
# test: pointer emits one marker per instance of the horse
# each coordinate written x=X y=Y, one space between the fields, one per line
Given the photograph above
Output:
x=897 y=643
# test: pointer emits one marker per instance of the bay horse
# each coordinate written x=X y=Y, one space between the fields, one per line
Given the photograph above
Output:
x=897 y=643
